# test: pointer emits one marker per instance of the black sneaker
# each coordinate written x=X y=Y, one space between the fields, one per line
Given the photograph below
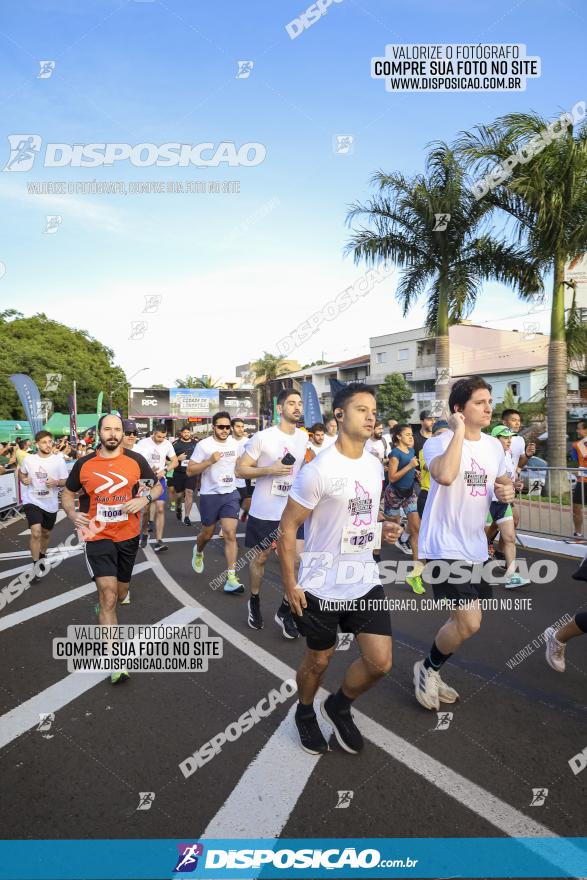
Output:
x=255 y=620
x=159 y=547
x=346 y=731
x=178 y=512
x=150 y=528
x=284 y=619
x=144 y=540
x=187 y=521
x=311 y=739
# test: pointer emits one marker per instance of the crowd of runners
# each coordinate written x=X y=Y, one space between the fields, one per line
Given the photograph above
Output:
x=324 y=501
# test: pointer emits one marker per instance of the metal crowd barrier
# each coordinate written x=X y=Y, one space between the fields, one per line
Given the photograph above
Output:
x=546 y=500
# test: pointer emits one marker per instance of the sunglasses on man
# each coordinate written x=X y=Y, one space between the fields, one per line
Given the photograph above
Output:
x=223 y=427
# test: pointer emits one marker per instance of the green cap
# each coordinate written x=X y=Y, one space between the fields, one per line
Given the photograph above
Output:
x=502 y=431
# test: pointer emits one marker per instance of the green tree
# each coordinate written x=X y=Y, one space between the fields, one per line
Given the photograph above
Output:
x=546 y=197
x=268 y=368
x=37 y=346
x=432 y=226
x=392 y=397
x=204 y=381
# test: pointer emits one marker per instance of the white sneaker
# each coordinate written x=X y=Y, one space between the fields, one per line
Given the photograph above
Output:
x=426 y=685
x=126 y=600
x=446 y=693
x=555 y=650
x=515 y=581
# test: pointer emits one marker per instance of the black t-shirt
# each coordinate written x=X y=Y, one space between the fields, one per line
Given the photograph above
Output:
x=419 y=441
x=180 y=447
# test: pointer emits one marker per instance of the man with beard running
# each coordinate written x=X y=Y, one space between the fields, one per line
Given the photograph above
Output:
x=157 y=450
x=215 y=458
x=272 y=457
x=108 y=481
x=245 y=487
x=42 y=475
x=181 y=485
x=337 y=497
x=466 y=467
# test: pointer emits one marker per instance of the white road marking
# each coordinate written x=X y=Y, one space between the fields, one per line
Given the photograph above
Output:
x=21 y=554
x=23 y=717
x=266 y=816
x=57 y=601
x=501 y=815
x=14 y=571
x=191 y=538
x=60 y=515
x=195 y=514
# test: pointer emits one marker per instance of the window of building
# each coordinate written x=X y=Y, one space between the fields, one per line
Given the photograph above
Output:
x=403 y=354
x=515 y=388
x=381 y=357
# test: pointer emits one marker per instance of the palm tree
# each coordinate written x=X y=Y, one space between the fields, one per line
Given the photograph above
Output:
x=546 y=197
x=203 y=381
x=268 y=368
x=432 y=227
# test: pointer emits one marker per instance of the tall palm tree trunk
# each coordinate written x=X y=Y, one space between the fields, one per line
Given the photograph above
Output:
x=557 y=380
x=442 y=349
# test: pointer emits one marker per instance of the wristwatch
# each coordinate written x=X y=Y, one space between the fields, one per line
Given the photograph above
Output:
x=149 y=497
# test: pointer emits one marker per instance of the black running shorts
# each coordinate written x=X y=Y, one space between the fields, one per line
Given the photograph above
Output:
x=106 y=558
x=466 y=583
x=37 y=516
x=320 y=621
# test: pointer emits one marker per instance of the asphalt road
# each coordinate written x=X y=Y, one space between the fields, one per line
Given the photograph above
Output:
x=515 y=728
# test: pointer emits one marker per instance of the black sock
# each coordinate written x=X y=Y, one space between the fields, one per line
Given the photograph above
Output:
x=42 y=555
x=305 y=710
x=435 y=658
x=340 y=702
x=284 y=605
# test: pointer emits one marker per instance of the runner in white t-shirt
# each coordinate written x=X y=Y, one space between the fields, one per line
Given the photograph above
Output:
x=466 y=468
x=215 y=459
x=500 y=517
x=272 y=457
x=336 y=497
x=520 y=452
x=377 y=444
x=331 y=432
x=160 y=455
x=318 y=443
x=41 y=475
x=244 y=487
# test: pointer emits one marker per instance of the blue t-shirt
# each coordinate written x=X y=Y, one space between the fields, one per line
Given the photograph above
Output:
x=404 y=458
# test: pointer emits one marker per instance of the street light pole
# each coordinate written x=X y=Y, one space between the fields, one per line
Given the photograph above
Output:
x=129 y=380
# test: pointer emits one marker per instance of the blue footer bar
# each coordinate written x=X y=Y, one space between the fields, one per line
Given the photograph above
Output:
x=310 y=858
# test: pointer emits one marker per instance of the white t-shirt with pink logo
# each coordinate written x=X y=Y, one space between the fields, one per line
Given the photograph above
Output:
x=218 y=479
x=453 y=525
x=339 y=535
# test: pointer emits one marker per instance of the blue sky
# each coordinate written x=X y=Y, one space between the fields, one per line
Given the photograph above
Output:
x=237 y=272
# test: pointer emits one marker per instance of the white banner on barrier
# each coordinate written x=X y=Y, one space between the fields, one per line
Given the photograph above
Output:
x=8 y=492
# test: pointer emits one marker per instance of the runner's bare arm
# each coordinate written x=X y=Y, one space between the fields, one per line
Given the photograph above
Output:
x=198 y=467
x=504 y=489
x=247 y=469
x=24 y=477
x=392 y=469
x=445 y=468
x=68 y=503
x=292 y=518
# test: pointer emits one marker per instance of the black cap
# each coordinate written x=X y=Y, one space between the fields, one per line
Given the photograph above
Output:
x=128 y=425
x=426 y=414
